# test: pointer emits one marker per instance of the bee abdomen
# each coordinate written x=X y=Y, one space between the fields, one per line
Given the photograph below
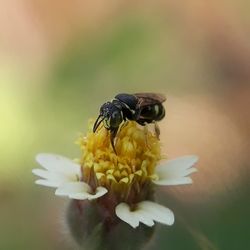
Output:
x=154 y=112
x=159 y=112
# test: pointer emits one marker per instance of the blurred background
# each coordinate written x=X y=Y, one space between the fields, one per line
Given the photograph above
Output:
x=60 y=60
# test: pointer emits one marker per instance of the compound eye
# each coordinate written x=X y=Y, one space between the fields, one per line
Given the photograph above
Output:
x=116 y=119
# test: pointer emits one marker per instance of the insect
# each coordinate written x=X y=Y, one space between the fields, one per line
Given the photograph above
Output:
x=143 y=108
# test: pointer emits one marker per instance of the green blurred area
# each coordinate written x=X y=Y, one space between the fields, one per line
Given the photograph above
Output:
x=45 y=110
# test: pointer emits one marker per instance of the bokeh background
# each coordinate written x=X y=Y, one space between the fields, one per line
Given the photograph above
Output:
x=60 y=60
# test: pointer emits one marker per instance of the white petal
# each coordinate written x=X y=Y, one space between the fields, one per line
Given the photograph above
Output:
x=172 y=182
x=157 y=212
x=178 y=165
x=41 y=173
x=144 y=217
x=52 y=176
x=47 y=183
x=70 y=188
x=100 y=191
x=146 y=212
x=53 y=162
x=80 y=191
x=123 y=212
x=58 y=170
x=174 y=172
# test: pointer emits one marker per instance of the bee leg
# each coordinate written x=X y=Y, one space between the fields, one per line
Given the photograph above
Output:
x=157 y=130
x=124 y=124
x=112 y=138
x=146 y=135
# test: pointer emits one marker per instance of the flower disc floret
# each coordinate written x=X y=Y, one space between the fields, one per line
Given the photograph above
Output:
x=138 y=152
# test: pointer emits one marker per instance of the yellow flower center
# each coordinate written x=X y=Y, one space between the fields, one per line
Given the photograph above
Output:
x=131 y=169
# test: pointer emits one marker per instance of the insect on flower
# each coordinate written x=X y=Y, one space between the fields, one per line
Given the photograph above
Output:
x=110 y=193
x=144 y=108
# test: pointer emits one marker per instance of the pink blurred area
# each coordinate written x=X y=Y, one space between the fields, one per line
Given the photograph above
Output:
x=202 y=125
x=34 y=30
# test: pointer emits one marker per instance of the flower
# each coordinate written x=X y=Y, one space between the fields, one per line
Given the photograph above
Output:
x=122 y=184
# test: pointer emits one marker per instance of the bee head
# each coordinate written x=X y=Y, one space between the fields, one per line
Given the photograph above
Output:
x=110 y=115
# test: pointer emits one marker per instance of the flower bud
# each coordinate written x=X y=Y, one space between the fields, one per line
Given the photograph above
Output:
x=92 y=229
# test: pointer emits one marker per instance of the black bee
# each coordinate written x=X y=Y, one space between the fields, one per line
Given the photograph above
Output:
x=143 y=108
